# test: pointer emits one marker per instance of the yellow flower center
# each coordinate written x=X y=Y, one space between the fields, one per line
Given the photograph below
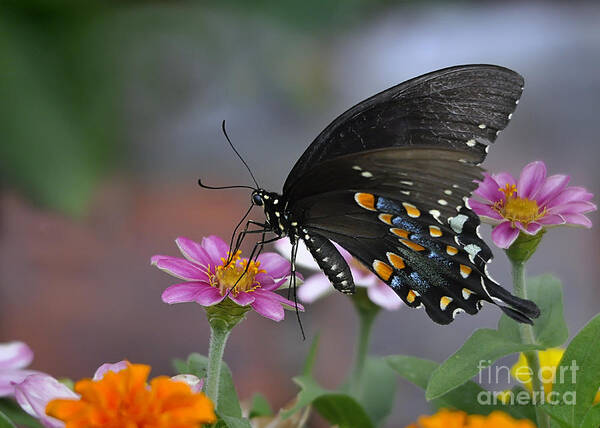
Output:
x=125 y=399
x=228 y=275
x=517 y=209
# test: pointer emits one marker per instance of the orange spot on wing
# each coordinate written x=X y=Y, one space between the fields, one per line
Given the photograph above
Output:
x=411 y=210
x=465 y=271
x=451 y=250
x=411 y=296
x=396 y=260
x=382 y=269
x=365 y=200
x=435 y=231
x=412 y=245
x=386 y=218
x=399 y=232
x=444 y=302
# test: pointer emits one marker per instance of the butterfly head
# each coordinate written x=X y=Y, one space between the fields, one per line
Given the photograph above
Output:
x=258 y=197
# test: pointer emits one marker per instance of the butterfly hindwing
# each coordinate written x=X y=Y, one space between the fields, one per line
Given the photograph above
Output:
x=421 y=259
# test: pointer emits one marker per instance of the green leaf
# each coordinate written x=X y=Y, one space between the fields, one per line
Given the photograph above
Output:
x=339 y=409
x=311 y=357
x=5 y=422
x=181 y=366
x=17 y=415
x=378 y=389
x=229 y=403
x=233 y=422
x=550 y=328
x=592 y=418
x=578 y=376
x=465 y=397
x=260 y=406
x=342 y=410
x=479 y=351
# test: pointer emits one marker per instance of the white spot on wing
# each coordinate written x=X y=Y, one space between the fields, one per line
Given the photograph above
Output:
x=482 y=126
x=471 y=143
x=510 y=115
x=457 y=223
x=448 y=192
x=366 y=174
x=408 y=183
x=442 y=202
x=357 y=168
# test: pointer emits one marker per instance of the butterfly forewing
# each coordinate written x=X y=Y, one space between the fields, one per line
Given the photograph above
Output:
x=459 y=108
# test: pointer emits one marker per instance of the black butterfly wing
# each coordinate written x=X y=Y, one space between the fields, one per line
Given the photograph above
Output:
x=386 y=208
x=460 y=108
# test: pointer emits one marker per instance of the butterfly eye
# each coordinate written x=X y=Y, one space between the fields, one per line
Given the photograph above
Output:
x=257 y=199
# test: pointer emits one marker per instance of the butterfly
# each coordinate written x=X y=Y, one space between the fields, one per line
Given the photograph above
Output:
x=389 y=181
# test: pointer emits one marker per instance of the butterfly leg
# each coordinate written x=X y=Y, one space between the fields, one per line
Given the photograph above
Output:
x=293 y=281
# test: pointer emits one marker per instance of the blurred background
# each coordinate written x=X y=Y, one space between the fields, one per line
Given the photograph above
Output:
x=111 y=111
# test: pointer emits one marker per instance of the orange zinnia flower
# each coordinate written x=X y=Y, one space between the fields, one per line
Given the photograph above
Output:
x=457 y=419
x=125 y=400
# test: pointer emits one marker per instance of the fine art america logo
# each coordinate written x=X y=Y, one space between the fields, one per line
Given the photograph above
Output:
x=548 y=375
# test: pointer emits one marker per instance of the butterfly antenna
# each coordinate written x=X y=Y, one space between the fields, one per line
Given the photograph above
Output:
x=238 y=154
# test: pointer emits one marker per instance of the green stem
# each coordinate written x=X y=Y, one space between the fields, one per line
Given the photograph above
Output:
x=528 y=337
x=218 y=339
x=222 y=318
x=367 y=312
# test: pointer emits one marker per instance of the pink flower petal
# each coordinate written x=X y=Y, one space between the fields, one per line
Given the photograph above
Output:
x=193 y=251
x=551 y=219
x=34 y=393
x=504 y=234
x=243 y=298
x=287 y=304
x=275 y=265
x=345 y=254
x=215 y=248
x=489 y=189
x=15 y=355
x=110 y=367
x=531 y=180
x=361 y=276
x=530 y=229
x=381 y=294
x=570 y=194
x=574 y=207
x=9 y=378
x=484 y=210
x=194 y=382
x=578 y=220
x=551 y=188
x=315 y=287
x=504 y=178
x=196 y=291
x=274 y=285
x=267 y=306
x=180 y=268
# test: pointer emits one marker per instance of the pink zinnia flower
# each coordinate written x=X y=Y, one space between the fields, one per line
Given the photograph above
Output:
x=209 y=280
x=535 y=201
x=14 y=357
x=317 y=285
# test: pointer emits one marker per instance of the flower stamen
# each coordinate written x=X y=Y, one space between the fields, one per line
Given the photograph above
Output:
x=239 y=275
x=515 y=209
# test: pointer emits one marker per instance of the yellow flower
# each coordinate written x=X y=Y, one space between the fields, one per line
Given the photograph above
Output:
x=125 y=400
x=458 y=419
x=549 y=361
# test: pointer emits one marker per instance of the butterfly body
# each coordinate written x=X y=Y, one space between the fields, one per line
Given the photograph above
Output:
x=389 y=181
